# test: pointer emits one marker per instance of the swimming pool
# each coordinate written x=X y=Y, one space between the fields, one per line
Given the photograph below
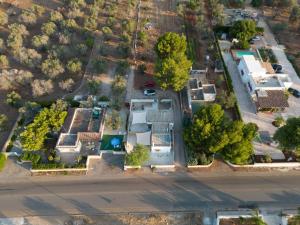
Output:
x=240 y=54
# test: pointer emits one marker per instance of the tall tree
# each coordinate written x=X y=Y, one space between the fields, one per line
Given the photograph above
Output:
x=288 y=135
x=172 y=66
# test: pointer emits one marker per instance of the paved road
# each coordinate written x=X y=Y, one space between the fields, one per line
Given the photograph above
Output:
x=82 y=195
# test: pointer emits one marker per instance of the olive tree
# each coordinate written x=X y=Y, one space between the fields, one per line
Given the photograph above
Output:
x=41 y=87
x=74 y=65
x=3 y=62
x=39 y=41
x=27 y=17
x=3 y=18
x=52 y=67
x=49 y=28
x=66 y=84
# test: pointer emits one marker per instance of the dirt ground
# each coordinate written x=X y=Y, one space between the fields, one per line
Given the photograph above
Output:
x=112 y=56
x=288 y=37
x=236 y=221
x=122 y=219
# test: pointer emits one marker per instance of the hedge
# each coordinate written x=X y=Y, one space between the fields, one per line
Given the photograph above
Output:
x=228 y=78
x=41 y=166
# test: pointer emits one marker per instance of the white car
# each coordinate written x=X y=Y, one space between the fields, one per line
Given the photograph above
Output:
x=256 y=38
x=149 y=92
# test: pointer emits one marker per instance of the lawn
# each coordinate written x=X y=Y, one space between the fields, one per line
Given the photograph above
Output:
x=106 y=142
x=2 y=161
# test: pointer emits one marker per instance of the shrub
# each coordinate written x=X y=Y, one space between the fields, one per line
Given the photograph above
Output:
x=74 y=65
x=39 y=41
x=90 y=23
x=114 y=120
x=268 y=158
x=128 y=26
x=142 y=68
x=104 y=98
x=56 y=16
x=2 y=161
x=27 y=17
x=3 y=18
x=126 y=38
x=66 y=84
x=107 y=31
x=3 y=122
x=99 y=65
x=74 y=13
x=64 y=38
x=93 y=86
x=143 y=37
x=69 y=24
x=3 y=62
x=2 y=45
x=89 y=42
x=30 y=156
x=81 y=49
x=110 y=22
x=37 y=9
x=13 y=99
x=52 y=67
x=124 y=50
x=122 y=67
x=41 y=87
x=138 y=156
x=49 y=28
x=75 y=3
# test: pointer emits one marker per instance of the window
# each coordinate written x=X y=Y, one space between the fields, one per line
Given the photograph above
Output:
x=242 y=72
x=250 y=87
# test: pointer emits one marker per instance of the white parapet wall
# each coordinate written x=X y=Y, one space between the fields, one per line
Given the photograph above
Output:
x=267 y=165
x=245 y=213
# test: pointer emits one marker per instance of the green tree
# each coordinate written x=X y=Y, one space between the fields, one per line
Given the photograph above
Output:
x=172 y=66
x=207 y=132
x=74 y=65
x=46 y=121
x=3 y=62
x=119 y=85
x=173 y=72
x=239 y=149
x=13 y=99
x=170 y=45
x=243 y=30
x=52 y=67
x=138 y=156
x=288 y=135
x=3 y=122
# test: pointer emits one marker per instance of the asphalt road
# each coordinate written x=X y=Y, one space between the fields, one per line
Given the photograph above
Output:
x=183 y=192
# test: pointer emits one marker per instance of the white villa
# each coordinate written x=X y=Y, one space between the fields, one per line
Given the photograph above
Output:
x=199 y=89
x=264 y=85
x=81 y=131
x=151 y=124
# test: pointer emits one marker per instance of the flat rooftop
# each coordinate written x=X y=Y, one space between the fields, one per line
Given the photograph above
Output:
x=85 y=120
x=161 y=139
x=209 y=89
x=67 y=140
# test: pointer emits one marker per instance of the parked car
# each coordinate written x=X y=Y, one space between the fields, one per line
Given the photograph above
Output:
x=149 y=84
x=294 y=92
x=149 y=92
x=255 y=38
x=277 y=67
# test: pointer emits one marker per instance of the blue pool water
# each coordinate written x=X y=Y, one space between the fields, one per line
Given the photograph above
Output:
x=240 y=54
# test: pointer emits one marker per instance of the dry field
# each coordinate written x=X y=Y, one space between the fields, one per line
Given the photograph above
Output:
x=123 y=219
x=163 y=18
x=288 y=37
x=112 y=14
